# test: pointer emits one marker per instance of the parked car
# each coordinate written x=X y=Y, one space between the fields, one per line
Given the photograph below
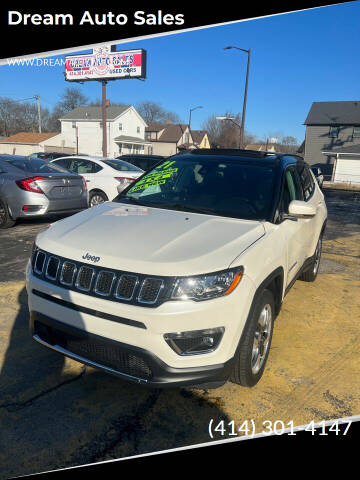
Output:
x=105 y=176
x=145 y=162
x=31 y=187
x=47 y=155
x=178 y=281
x=318 y=175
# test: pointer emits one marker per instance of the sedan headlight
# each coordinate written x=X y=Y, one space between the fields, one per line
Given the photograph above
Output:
x=204 y=287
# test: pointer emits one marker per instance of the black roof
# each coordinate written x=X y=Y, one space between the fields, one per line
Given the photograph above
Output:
x=263 y=158
x=334 y=113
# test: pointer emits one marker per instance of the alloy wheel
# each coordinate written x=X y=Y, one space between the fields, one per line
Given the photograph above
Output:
x=96 y=200
x=261 y=339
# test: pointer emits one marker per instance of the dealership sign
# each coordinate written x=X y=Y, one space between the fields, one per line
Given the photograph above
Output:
x=104 y=64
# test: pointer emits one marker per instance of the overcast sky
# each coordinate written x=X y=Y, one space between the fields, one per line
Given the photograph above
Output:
x=297 y=58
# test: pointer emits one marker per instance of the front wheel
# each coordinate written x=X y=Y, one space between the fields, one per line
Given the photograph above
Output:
x=253 y=350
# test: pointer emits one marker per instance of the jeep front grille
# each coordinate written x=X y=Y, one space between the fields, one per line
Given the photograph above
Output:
x=150 y=290
x=52 y=268
x=104 y=283
x=68 y=272
x=109 y=284
x=84 y=278
x=126 y=286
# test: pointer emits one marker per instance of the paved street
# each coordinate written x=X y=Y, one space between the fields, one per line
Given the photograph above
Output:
x=55 y=413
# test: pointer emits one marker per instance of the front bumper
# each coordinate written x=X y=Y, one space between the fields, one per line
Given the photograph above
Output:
x=131 y=363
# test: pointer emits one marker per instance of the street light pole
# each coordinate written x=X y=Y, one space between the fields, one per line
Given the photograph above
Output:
x=245 y=101
x=190 y=112
x=245 y=92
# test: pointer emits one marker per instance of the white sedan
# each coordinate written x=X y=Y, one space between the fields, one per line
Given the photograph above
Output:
x=105 y=177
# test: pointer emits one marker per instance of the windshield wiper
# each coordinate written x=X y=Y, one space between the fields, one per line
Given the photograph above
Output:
x=132 y=199
x=186 y=208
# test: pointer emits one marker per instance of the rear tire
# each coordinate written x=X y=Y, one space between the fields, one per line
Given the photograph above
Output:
x=96 y=198
x=5 y=220
x=311 y=273
x=254 y=347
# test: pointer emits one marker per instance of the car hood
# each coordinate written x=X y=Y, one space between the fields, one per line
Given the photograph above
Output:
x=150 y=240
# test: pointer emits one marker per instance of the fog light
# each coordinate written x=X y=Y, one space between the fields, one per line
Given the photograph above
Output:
x=195 y=342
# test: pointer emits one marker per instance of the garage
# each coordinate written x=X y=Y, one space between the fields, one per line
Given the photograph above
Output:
x=346 y=164
x=347 y=170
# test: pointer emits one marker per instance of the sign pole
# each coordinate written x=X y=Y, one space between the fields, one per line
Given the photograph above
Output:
x=104 y=140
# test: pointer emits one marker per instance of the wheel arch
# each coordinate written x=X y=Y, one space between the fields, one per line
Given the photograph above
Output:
x=97 y=190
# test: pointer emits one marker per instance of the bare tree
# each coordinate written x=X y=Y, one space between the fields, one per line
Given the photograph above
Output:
x=225 y=134
x=153 y=112
x=18 y=116
x=72 y=98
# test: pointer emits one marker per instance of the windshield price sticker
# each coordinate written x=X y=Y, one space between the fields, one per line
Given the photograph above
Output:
x=159 y=176
x=277 y=427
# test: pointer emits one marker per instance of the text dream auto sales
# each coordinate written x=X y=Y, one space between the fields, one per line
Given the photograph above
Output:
x=139 y=18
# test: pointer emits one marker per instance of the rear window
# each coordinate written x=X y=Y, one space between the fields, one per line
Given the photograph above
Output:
x=122 y=166
x=36 y=165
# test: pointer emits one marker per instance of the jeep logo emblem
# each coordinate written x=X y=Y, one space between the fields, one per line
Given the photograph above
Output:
x=92 y=258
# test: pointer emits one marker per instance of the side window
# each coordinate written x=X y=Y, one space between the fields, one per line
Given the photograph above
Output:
x=62 y=163
x=96 y=168
x=81 y=166
x=307 y=181
x=291 y=189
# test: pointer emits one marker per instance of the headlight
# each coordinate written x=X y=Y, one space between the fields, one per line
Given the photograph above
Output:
x=204 y=287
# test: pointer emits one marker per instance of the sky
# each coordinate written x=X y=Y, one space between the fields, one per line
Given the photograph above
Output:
x=297 y=58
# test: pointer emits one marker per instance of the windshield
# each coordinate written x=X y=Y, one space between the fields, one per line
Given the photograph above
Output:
x=122 y=166
x=225 y=187
x=36 y=165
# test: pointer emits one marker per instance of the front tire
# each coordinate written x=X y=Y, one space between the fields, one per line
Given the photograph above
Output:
x=311 y=273
x=96 y=198
x=5 y=220
x=254 y=347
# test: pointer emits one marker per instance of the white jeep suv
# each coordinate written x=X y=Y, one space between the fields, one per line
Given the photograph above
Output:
x=179 y=279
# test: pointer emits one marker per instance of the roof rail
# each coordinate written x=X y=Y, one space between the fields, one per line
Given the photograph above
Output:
x=232 y=151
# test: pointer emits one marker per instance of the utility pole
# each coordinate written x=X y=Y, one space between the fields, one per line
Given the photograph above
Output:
x=39 y=111
x=104 y=139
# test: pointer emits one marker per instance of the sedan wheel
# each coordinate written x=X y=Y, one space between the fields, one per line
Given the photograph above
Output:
x=97 y=198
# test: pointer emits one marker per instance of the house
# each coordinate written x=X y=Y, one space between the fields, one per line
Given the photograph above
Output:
x=332 y=132
x=81 y=129
x=262 y=147
x=200 y=138
x=168 y=139
x=26 y=143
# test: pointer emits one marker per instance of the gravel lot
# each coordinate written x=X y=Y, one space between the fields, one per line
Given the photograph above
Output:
x=56 y=413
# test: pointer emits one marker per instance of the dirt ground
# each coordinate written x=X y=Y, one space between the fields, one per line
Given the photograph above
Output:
x=55 y=413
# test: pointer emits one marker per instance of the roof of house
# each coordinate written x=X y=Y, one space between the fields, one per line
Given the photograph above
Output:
x=155 y=127
x=95 y=113
x=334 y=113
x=29 y=137
x=350 y=149
x=172 y=132
x=126 y=138
x=261 y=147
x=198 y=135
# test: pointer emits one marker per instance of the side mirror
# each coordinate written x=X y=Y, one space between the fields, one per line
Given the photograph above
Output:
x=300 y=209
